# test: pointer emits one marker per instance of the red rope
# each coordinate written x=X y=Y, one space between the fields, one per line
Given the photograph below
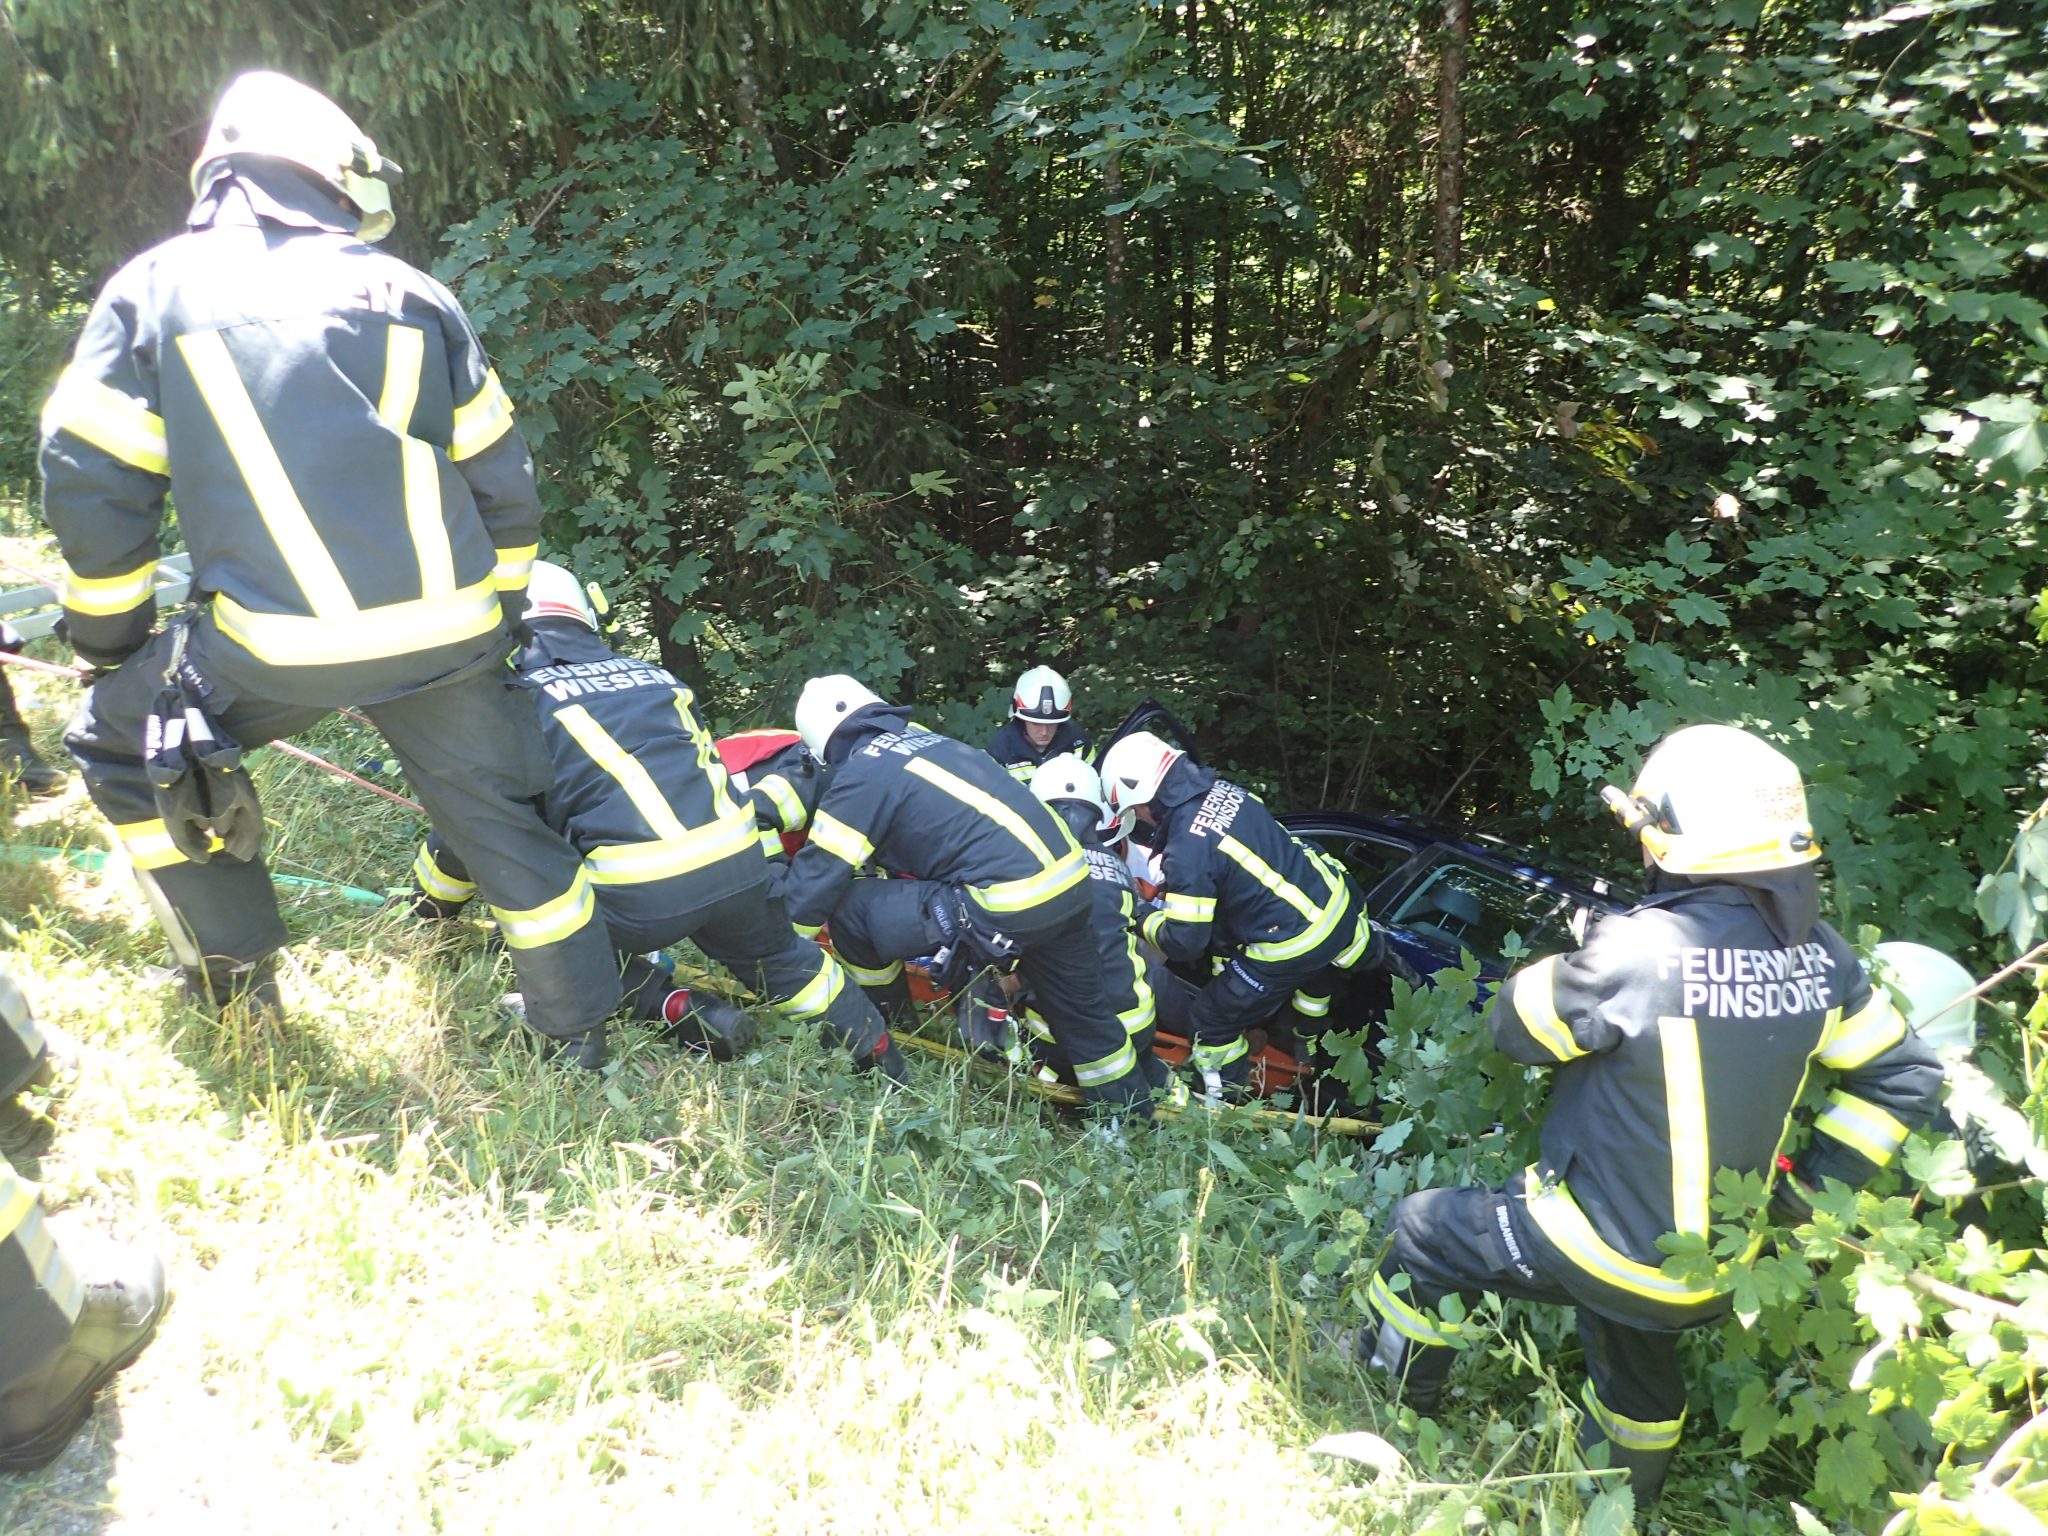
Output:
x=289 y=749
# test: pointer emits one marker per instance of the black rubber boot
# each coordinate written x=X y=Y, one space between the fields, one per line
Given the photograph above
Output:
x=125 y=1296
x=586 y=1052
x=707 y=1022
x=886 y=1059
x=18 y=760
x=219 y=983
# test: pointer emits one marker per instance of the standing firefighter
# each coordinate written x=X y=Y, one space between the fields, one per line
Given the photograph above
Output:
x=1281 y=915
x=671 y=852
x=71 y=1315
x=355 y=498
x=1041 y=726
x=997 y=880
x=1681 y=1036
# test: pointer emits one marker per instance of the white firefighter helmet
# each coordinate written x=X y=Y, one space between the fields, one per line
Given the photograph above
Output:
x=554 y=593
x=1714 y=800
x=1042 y=695
x=824 y=704
x=265 y=113
x=1069 y=777
x=1934 y=992
x=1132 y=770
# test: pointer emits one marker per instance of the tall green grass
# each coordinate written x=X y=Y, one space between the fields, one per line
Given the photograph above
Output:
x=427 y=1282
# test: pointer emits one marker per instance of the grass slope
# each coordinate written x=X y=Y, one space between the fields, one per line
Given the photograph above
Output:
x=427 y=1283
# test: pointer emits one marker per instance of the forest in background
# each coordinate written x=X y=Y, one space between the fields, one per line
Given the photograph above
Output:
x=1433 y=404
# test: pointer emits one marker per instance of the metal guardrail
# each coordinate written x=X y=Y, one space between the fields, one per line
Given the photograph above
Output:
x=33 y=612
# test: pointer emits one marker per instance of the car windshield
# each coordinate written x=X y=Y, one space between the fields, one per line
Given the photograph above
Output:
x=1468 y=906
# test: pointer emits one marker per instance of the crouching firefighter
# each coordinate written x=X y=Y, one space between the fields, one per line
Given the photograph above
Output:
x=998 y=880
x=1282 y=917
x=671 y=852
x=355 y=498
x=1681 y=1036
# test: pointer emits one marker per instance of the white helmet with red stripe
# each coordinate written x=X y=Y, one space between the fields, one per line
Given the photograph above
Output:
x=1042 y=695
x=553 y=593
x=1133 y=768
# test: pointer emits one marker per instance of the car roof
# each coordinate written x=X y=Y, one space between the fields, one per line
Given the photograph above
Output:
x=1583 y=885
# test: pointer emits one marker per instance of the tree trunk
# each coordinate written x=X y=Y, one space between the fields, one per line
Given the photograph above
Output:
x=1450 y=140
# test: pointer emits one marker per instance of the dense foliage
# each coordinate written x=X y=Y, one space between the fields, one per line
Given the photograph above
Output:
x=1158 y=342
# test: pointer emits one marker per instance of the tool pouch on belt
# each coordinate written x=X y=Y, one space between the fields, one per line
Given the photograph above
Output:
x=203 y=793
x=966 y=943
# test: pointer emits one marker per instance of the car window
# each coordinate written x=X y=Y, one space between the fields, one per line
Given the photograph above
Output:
x=1470 y=907
x=1369 y=859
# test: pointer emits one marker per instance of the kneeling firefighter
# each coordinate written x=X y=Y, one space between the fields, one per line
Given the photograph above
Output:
x=72 y=1312
x=1282 y=916
x=355 y=497
x=1681 y=1036
x=671 y=854
x=998 y=879
x=1136 y=982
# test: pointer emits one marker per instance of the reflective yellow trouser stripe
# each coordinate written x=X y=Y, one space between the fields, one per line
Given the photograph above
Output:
x=436 y=882
x=873 y=978
x=105 y=596
x=220 y=385
x=551 y=921
x=21 y=1222
x=1108 y=1069
x=819 y=994
x=1211 y=1058
x=404 y=358
x=148 y=844
x=1632 y=1434
x=1558 y=1214
x=1410 y=1321
x=111 y=421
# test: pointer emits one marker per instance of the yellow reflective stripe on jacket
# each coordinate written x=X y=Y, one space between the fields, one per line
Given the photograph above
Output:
x=514 y=567
x=298 y=542
x=818 y=994
x=1872 y=1030
x=1632 y=1434
x=551 y=921
x=1356 y=948
x=111 y=421
x=437 y=882
x=771 y=843
x=1322 y=920
x=1410 y=1321
x=104 y=596
x=1020 y=895
x=21 y=1222
x=789 y=806
x=1685 y=1104
x=1875 y=1132
x=664 y=857
x=1536 y=1008
x=979 y=799
x=598 y=744
x=841 y=840
x=405 y=351
x=482 y=421
x=396 y=629
x=1558 y=1214
x=1189 y=909
x=148 y=844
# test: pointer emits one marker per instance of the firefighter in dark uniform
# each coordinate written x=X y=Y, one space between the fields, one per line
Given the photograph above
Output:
x=18 y=757
x=1282 y=916
x=781 y=782
x=1040 y=728
x=70 y=1315
x=355 y=498
x=998 y=879
x=1137 y=983
x=1681 y=1036
x=670 y=851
